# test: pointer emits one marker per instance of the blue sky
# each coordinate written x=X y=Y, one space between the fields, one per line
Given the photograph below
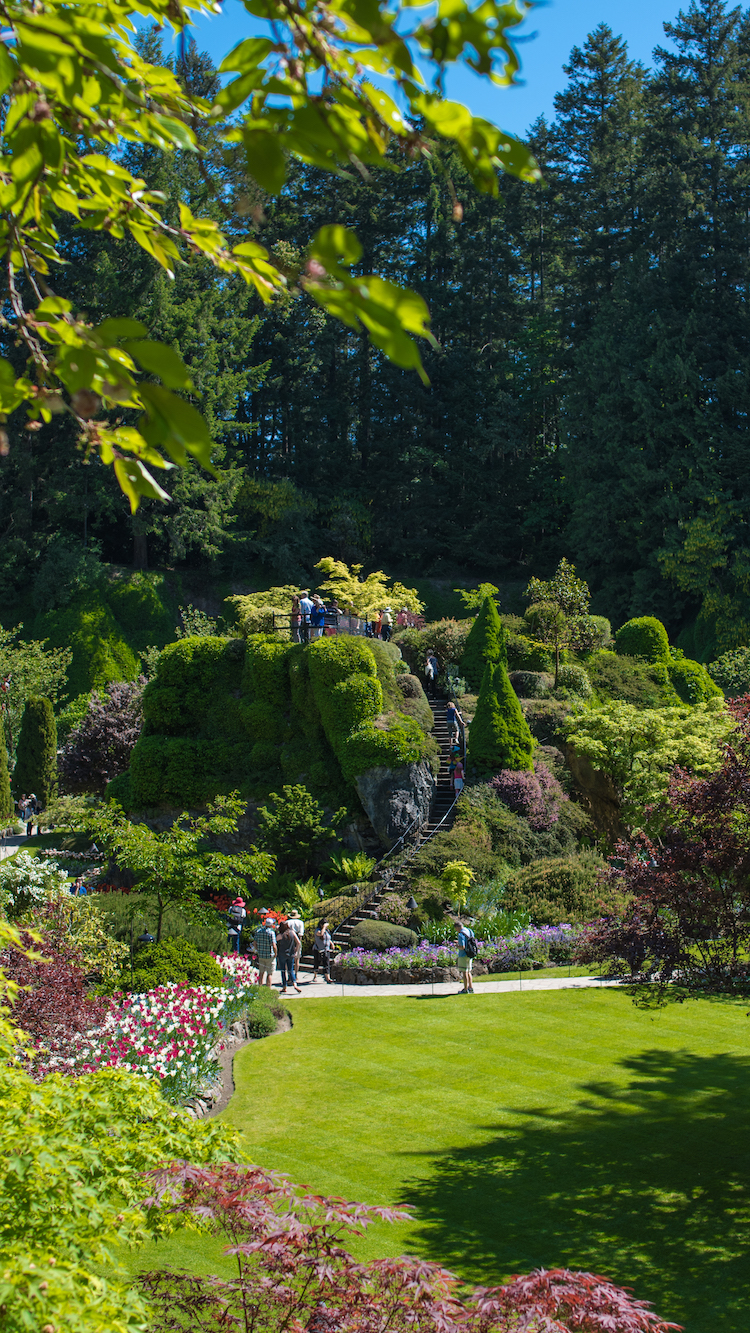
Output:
x=552 y=30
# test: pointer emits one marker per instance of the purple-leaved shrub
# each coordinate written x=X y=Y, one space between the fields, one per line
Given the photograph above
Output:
x=536 y=796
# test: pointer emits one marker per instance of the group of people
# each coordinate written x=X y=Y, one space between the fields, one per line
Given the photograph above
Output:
x=279 y=944
x=310 y=618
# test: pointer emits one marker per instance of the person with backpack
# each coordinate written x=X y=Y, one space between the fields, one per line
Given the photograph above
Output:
x=235 y=921
x=322 y=945
x=431 y=671
x=467 y=952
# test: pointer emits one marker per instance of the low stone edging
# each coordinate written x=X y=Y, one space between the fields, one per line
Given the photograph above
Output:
x=403 y=976
x=215 y=1098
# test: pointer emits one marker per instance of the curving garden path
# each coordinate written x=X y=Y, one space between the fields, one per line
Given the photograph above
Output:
x=321 y=991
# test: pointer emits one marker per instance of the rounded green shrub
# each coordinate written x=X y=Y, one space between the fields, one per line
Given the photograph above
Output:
x=644 y=637
x=531 y=684
x=36 y=756
x=169 y=961
x=381 y=935
x=525 y=654
x=485 y=644
x=261 y=1021
x=575 y=680
x=6 y=800
x=630 y=680
x=691 y=681
x=561 y=889
x=499 y=736
x=731 y=672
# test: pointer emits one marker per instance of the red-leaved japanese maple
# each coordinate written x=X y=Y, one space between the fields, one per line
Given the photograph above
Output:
x=689 y=917
x=294 y=1274
x=53 y=1003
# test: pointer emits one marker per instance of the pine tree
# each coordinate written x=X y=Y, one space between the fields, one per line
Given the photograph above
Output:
x=6 y=800
x=485 y=644
x=499 y=736
x=36 y=757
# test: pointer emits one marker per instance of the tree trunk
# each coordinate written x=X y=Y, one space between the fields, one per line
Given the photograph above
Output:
x=140 y=548
x=160 y=901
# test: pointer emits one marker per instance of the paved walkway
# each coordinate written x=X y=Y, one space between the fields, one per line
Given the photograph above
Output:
x=320 y=991
x=11 y=845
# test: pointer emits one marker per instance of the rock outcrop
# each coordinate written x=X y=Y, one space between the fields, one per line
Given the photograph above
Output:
x=394 y=798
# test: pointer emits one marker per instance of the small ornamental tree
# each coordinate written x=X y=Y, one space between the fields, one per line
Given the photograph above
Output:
x=295 y=826
x=100 y=748
x=293 y=1272
x=690 y=913
x=36 y=760
x=499 y=736
x=365 y=596
x=558 y=614
x=181 y=864
x=485 y=643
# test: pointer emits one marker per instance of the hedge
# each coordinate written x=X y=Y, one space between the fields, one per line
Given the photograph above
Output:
x=381 y=935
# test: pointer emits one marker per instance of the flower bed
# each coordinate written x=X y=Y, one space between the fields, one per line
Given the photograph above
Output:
x=171 y=1034
x=533 y=948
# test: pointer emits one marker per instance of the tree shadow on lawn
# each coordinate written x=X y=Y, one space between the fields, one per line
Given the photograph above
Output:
x=645 y=1182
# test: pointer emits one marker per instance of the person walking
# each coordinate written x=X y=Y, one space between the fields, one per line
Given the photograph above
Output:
x=454 y=720
x=287 y=950
x=317 y=617
x=295 y=619
x=235 y=921
x=322 y=945
x=431 y=670
x=458 y=777
x=265 y=946
x=467 y=950
x=386 y=625
x=306 y=610
x=295 y=923
x=377 y=625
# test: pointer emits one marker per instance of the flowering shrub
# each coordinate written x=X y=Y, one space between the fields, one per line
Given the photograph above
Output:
x=536 y=796
x=531 y=948
x=25 y=881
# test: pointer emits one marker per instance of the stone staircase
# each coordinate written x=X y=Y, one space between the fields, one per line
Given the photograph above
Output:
x=396 y=880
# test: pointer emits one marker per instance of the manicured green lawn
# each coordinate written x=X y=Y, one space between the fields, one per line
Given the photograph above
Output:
x=541 y=1128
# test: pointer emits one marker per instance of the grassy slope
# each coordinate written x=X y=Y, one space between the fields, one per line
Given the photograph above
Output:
x=531 y=1129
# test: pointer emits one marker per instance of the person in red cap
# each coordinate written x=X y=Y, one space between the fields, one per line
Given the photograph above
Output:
x=235 y=920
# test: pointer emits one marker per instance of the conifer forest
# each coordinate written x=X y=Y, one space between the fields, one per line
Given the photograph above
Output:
x=588 y=396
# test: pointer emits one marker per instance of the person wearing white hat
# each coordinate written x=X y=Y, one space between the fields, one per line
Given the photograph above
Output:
x=386 y=624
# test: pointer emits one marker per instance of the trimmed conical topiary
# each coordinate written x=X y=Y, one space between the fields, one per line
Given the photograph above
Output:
x=485 y=643
x=6 y=800
x=499 y=736
x=36 y=757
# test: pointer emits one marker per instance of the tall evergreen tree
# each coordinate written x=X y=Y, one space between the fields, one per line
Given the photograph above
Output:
x=36 y=756
x=499 y=735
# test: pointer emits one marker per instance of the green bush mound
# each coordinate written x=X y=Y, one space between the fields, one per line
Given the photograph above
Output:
x=485 y=644
x=100 y=649
x=169 y=961
x=561 y=889
x=260 y=1018
x=545 y=718
x=691 y=682
x=629 y=680
x=731 y=672
x=144 y=608
x=525 y=654
x=381 y=935
x=499 y=736
x=643 y=637
x=229 y=714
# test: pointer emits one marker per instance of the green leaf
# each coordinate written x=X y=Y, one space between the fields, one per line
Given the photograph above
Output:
x=247 y=56
x=266 y=160
x=136 y=480
x=8 y=69
x=53 y=305
x=160 y=360
x=11 y=391
x=183 y=428
x=112 y=330
x=336 y=244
